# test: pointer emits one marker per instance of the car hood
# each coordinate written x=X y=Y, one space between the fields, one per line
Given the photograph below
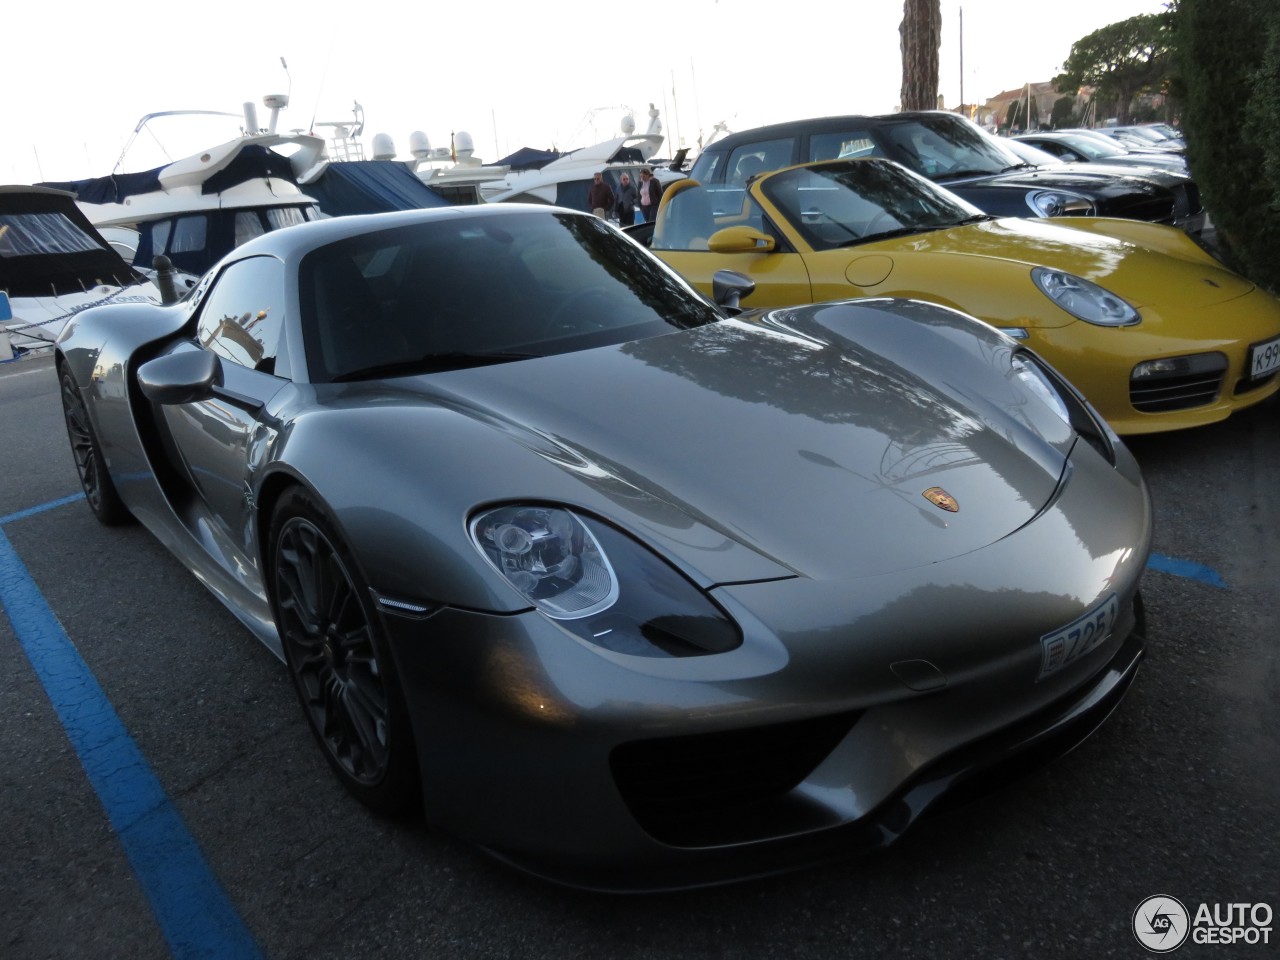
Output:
x=1140 y=275
x=1064 y=178
x=1161 y=173
x=816 y=451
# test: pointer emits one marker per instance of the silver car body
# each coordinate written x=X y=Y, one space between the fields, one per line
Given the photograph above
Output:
x=786 y=464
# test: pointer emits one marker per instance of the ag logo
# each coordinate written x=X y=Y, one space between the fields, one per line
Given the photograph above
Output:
x=1161 y=924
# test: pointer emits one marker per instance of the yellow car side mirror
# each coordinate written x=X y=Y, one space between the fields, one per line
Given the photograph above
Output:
x=740 y=240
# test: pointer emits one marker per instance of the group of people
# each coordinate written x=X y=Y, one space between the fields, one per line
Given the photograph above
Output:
x=642 y=196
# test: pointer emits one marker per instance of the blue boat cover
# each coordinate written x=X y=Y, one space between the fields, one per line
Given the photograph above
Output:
x=527 y=158
x=370 y=186
x=112 y=189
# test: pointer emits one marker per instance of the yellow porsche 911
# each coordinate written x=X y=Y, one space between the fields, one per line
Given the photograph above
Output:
x=1153 y=331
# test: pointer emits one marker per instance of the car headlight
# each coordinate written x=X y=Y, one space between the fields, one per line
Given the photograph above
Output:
x=1084 y=299
x=601 y=585
x=1060 y=397
x=1059 y=203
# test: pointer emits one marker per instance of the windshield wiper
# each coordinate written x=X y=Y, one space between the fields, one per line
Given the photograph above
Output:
x=950 y=174
x=886 y=235
x=432 y=363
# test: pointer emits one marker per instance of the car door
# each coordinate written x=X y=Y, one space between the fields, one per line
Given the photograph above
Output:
x=220 y=442
x=691 y=214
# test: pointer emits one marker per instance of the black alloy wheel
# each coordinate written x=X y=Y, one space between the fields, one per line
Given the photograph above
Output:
x=340 y=665
x=95 y=480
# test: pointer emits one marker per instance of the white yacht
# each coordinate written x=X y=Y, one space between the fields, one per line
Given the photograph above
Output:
x=565 y=180
x=199 y=208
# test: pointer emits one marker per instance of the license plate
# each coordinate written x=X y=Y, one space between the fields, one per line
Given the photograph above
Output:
x=1264 y=358
x=1082 y=635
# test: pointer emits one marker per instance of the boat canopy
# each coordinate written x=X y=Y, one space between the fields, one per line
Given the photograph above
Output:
x=48 y=247
x=527 y=158
x=370 y=186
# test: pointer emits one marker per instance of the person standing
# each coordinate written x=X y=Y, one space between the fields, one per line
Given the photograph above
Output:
x=625 y=202
x=650 y=194
x=599 y=195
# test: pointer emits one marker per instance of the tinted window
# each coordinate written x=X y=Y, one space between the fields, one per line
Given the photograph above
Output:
x=454 y=292
x=188 y=234
x=248 y=226
x=243 y=314
x=693 y=214
x=842 y=204
x=278 y=217
x=944 y=146
x=30 y=234
x=763 y=156
x=842 y=146
x=709 y=167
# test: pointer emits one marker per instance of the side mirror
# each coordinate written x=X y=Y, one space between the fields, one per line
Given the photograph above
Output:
x=728 y=287
x=186 y=376
x=740 y=240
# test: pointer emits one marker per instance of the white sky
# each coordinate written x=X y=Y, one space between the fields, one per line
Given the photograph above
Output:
x=79 y=75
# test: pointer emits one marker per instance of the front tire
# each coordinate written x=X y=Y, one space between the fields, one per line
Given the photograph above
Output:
x=339 y=660
x=95 y=479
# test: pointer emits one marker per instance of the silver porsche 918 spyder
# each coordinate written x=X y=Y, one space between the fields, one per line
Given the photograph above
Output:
x=634 y=591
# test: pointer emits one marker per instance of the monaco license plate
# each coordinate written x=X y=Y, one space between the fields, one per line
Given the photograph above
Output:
x=1264 y=358
x=1084 y=634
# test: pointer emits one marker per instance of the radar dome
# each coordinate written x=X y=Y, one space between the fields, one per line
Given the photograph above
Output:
x=384 y=148
x=628 y=125
x=463 y=145
x=419 y=145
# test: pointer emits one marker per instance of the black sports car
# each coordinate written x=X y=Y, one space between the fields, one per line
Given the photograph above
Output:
x=632 y=592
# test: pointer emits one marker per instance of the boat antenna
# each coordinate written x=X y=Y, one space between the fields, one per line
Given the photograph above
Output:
x=288 y=76
x=323 y=73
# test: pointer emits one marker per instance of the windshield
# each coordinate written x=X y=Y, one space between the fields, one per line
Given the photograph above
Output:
x=1095 y=149
x=855 y=201
x=945 y=147
x=463 y=292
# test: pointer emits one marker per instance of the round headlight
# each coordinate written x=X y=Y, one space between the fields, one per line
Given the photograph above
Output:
x=1058 y=203
x=1084 y=299
x=550 y=556
x=601 y=585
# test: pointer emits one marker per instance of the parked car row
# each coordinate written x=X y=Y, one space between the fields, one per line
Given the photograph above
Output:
x=1157 y=333
x=956 y=154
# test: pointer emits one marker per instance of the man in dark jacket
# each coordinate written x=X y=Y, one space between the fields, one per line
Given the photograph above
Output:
x=599 y=196
x=627 y=198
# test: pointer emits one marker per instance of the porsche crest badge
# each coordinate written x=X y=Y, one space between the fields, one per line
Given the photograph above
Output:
x=941 y=499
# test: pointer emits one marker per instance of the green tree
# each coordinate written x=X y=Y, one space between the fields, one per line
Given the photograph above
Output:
x=1064 y=112
x=921 y=33
x=1121 y=60
x=1229 y=67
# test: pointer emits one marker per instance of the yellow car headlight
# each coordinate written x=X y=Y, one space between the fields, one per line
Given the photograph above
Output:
x=1084 y=299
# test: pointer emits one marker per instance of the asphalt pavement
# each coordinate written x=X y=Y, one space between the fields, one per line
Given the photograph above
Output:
x=250 y=835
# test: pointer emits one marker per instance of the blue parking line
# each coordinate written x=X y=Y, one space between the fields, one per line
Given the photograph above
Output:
x=194 y=913
x=1186 y=568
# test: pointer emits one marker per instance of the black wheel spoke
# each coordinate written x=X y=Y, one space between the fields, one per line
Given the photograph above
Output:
x=330 y=649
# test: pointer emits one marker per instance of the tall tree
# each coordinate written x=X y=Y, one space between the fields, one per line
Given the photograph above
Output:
x=1229 y=61
x=921 y=33
x=1121 y=60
